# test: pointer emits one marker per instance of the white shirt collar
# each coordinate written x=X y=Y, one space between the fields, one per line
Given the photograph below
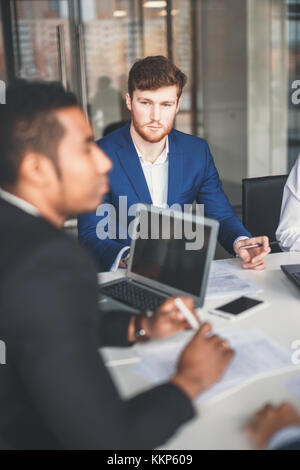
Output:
x=18 y=202
x=161 y=159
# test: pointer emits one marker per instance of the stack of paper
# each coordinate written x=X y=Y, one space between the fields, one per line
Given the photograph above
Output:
x=226 y=279
x=256 y=355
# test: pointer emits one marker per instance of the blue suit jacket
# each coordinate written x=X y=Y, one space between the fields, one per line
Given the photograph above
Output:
x=192 y=176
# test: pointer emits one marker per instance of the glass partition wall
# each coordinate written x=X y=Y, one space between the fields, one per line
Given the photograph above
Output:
x=2 y=60
x=293 y=37
x=241 y=58
x=36 y=38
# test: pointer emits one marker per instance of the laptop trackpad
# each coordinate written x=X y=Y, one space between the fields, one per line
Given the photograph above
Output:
x=107 y=304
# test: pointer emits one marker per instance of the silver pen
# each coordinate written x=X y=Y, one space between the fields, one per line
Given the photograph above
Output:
x=256 y=245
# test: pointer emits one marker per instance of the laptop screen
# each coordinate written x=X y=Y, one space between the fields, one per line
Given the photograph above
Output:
x=163 y=256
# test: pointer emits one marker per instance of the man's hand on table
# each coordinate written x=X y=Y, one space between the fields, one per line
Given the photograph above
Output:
x=270 y=419
x=202 y=362
x=253 y=258
x=166 y=321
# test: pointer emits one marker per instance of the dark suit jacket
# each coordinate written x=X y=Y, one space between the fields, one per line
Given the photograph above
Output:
x=192 y=175
x=55 y=391
x=293 y=445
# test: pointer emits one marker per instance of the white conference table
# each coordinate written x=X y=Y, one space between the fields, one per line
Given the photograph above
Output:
x=219 y=425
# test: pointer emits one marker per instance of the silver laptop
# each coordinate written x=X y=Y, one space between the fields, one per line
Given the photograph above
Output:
x=165 y=260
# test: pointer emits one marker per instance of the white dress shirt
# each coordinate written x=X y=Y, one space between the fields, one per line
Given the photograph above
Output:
x=18 y=202
x=288 y=231
x=156 y=175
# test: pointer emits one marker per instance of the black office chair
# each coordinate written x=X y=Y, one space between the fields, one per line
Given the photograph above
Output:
x=262 y=199
x=113 y=127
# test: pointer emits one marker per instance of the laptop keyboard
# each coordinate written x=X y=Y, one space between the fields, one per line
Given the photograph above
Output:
x=296 y=276
x=133 y=295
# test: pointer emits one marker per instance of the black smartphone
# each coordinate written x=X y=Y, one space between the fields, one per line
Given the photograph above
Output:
x=237 y=307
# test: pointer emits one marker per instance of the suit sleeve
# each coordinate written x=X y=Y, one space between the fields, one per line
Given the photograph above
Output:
x=217 y=206
x=113 y=328
x=91 y=232
x=50 y=322
x=286 y=438
x=295 y=445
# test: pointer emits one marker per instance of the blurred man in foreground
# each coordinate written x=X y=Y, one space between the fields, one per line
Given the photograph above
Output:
x=55 y=390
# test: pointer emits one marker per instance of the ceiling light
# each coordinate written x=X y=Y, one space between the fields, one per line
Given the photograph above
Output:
x=155 y=4
x=164 y=12
x=119 y=13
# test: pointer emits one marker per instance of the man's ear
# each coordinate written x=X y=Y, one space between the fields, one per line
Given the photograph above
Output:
x=128 y=101
x=36 y=169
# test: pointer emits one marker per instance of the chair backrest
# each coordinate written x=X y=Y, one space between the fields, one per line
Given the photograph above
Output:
x=262 y=199
x=113 y=127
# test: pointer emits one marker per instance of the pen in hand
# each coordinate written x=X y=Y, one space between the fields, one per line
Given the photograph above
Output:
x=188 y=315
x=246 y=247
x=256 y=245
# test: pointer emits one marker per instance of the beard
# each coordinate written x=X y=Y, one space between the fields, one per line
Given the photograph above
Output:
x=150 y=136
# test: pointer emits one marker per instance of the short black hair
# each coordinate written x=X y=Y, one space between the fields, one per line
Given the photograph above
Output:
x=28 y=123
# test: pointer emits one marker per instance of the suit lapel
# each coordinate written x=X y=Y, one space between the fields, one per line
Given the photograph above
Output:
x=132 y=167
x=175 y=171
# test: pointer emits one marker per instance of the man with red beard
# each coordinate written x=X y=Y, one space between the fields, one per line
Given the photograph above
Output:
x=156 y=164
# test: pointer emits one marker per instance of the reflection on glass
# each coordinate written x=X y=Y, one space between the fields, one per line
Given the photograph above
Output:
x=247 y=60
x=155 y=31
x=182 y=53
x=166 y=259
x=106 y=105
x=112 y=39
x=116 y=34
x=2 y=61
x=36 y=26
x=293 y=19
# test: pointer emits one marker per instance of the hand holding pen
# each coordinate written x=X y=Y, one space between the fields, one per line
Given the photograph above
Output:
x=257 y=245
x=253 y=251
x=174 y=315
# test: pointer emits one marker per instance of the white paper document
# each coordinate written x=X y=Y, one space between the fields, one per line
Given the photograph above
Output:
x=256 y=356
x=293 y=386
x=226 y=279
